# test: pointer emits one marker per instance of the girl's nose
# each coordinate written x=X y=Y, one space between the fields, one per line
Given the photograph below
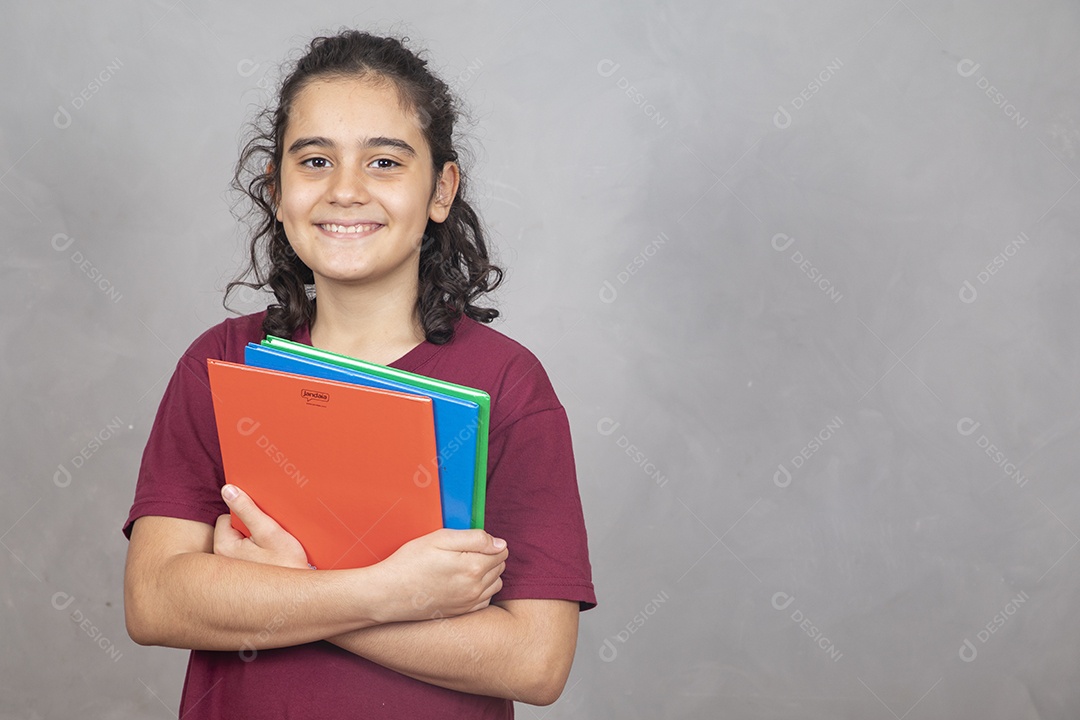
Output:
x=348 y=186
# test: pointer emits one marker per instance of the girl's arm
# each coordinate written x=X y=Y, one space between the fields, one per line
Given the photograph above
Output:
x=179 y=593
x=516 y=649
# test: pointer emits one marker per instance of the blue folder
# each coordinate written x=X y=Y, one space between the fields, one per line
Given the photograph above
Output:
x=454 y=419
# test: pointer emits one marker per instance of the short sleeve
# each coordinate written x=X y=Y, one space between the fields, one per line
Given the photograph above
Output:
x=533 y=503
x=181 y=474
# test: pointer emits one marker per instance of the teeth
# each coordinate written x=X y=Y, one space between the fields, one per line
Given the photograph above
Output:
x=349 y=229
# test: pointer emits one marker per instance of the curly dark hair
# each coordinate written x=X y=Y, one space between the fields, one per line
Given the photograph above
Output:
x=455 y=268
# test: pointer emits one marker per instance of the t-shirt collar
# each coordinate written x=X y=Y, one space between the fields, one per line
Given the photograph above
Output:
x=410 y=361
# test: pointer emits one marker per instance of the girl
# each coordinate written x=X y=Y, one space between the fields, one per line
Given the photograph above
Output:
x=368 y=242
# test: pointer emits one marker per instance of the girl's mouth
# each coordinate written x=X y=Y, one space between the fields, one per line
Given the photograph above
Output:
x=359 y=230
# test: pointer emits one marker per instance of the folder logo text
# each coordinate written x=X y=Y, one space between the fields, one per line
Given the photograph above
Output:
x=314 y=397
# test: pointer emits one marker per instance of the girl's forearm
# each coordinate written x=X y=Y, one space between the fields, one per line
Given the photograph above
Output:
x=523 y=653
x=202 y=601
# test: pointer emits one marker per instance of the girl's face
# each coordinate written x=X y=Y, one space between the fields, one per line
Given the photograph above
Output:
x=356 y=180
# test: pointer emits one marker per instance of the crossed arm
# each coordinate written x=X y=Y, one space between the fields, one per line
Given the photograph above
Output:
x=424 y=612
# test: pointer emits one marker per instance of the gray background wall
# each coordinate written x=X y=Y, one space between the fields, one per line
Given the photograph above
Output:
x=804 y=275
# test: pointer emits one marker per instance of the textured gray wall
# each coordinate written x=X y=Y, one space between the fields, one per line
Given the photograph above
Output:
x=804 y=275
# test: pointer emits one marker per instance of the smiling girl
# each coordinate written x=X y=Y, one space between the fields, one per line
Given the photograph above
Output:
x=366 y=238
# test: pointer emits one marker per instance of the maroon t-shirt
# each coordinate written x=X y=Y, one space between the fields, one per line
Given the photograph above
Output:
x=532 y=502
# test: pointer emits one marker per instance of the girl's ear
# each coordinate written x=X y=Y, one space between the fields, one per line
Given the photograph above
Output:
x=446 y=187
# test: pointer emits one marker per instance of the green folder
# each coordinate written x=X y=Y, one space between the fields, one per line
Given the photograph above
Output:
x=479 y=397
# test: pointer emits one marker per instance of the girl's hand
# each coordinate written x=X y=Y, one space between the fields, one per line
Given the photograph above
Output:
x=442 y=574
x=269 y=543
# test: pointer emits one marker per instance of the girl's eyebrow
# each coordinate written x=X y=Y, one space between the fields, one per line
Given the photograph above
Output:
x=367 y=144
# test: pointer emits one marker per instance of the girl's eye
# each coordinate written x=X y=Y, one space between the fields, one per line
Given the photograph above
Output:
x=321 y=163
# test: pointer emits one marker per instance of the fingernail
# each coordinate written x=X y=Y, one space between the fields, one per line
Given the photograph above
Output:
x=229 y=492
x=499 y=543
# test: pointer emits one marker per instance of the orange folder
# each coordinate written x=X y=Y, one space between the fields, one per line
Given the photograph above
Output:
x=343 y=468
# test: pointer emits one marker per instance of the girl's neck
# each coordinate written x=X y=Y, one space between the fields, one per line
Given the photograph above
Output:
x=378 y=327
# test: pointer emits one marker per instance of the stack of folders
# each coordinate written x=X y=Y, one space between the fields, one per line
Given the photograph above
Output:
x=352 y=458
